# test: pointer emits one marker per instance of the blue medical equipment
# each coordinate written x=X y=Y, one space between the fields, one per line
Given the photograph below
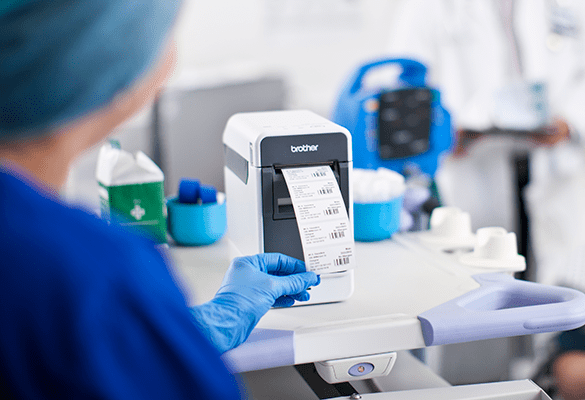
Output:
x=395 y=126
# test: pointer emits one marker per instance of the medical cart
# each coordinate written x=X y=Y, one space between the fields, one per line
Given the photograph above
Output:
x=412 y=291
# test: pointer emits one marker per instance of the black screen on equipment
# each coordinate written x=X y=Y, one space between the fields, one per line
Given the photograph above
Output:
x=404 y=123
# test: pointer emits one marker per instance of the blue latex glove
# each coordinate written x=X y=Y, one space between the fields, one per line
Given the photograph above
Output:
x=250 y=287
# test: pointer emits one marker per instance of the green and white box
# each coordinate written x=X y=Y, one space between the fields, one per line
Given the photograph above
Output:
x=131 y=191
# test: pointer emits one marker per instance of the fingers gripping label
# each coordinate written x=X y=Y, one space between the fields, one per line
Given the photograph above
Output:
x=324 y=227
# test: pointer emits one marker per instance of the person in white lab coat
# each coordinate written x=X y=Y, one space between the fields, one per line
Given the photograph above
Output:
x=477 y=52
x=512 y=73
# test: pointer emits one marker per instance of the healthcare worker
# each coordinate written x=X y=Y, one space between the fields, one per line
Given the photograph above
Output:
x=90 y=310
x=502 y=66
x=483 y=55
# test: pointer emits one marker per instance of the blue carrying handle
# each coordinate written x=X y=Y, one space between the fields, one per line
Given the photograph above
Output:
x=413 y=72
x=503 y=306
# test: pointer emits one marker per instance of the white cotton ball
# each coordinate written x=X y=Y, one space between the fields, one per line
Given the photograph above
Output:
x=398 y=189
x=362 y=179
x=395 y=179
x=375 y=186
x=381 y=190
x=390 y=175
x=361 y=189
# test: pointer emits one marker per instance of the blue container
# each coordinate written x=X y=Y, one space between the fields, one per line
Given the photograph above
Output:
x=376 y=221
x=196 y=224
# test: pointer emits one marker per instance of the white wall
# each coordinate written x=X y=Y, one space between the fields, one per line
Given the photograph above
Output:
x=313 y=43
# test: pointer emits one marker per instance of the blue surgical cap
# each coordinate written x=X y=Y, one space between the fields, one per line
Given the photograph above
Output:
x=62 y=59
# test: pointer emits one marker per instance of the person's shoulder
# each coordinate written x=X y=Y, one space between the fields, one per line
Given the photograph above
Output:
x=43 y=234
x=31 y=212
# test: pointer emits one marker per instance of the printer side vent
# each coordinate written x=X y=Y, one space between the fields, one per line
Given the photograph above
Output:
x=236 y=163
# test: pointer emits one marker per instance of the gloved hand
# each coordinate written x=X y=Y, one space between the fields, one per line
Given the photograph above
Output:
x=250 y=287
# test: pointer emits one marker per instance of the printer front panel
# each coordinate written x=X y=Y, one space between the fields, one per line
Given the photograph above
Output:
x=280 y=228
x=281 y=233
x=300 y=149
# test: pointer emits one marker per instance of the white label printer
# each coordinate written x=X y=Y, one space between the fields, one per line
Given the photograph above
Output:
x=260 y=212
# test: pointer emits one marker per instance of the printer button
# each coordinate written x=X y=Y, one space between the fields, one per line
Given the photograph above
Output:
x=361 y=369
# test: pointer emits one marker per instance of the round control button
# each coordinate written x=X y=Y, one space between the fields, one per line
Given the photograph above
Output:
x=419 y=145
x=390 y=97
x=390 y=114
x=361 y=369
x=402 y=137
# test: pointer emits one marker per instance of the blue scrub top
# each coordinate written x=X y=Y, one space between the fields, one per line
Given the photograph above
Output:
x=88 y=310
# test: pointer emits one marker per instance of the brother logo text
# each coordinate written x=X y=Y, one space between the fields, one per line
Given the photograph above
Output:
x=303 y=148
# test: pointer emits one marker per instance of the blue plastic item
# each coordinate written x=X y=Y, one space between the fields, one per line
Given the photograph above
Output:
x=189 y=190
x=503 y=306
x=357 y=110
x=376 y=221
x=208 y=194
x=196 y=224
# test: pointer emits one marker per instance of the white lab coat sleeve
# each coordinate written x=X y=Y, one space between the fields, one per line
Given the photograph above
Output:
x=568 y=71
x=573 y=110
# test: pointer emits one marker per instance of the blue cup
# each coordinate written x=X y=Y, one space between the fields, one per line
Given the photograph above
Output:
x=196 y=224
x=376 y=221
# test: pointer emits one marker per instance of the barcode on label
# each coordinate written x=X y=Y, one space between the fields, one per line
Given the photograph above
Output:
x=331 y=211
x=337 y=234
x=325 y=191
x=342 y=261
x=319 y=174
